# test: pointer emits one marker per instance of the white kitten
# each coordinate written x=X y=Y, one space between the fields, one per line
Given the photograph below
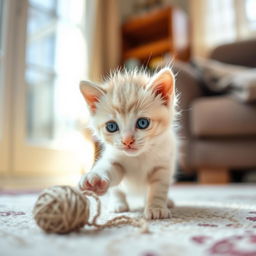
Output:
x=133 y=115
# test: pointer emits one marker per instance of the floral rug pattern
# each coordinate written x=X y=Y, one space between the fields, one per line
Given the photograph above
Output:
x=207 y=220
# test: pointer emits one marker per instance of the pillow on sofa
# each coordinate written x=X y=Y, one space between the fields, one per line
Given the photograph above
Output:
x=220 y=78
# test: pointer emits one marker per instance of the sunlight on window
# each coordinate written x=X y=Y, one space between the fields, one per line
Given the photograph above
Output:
x=56 y=62
x=250 y=9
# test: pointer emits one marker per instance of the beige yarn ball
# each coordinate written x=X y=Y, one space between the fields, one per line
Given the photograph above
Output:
x=61 y=209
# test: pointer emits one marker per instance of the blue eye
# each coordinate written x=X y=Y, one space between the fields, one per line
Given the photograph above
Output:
x=112 y=126
x=142 y=123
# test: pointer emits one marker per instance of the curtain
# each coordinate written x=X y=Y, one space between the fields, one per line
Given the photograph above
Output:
x=103 y=34
x=215 y=22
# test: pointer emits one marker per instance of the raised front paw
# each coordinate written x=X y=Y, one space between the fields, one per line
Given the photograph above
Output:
x=95 y=182
x=152 y=213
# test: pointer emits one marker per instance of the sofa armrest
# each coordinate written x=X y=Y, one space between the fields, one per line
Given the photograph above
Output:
x=187 y=83
x=188 y=89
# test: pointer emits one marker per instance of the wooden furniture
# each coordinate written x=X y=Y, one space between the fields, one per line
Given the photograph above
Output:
x=156 y=33
x=213 y=176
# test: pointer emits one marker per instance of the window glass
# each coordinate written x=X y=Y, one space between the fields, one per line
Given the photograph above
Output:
x=55 y=62
x=250 y=9
x=46 y=4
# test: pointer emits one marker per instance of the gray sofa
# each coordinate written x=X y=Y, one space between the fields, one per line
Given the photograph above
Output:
x=218 y=133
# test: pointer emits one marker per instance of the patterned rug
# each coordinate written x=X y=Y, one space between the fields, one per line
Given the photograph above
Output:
x=207 y=220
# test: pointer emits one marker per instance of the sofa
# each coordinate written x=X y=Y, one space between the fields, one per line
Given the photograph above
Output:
x=217 y=132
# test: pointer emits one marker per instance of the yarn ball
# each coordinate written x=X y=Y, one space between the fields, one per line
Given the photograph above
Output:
x=61 y=209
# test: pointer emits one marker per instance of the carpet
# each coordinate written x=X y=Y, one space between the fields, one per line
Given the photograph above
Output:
x=207 y=220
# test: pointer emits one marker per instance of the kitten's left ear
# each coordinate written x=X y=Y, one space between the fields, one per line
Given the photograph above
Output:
x=163 y=83
x=92 y=93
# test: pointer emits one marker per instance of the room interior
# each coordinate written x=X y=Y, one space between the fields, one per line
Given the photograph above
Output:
x=48 y=47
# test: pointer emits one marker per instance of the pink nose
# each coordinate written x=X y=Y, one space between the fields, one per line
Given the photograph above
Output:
x=128 y=141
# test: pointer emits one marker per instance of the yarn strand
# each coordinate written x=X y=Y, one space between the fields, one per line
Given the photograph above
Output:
x=117 y=221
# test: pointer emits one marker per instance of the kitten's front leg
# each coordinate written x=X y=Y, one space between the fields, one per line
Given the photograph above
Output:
x=156 y=204
x=103 y=175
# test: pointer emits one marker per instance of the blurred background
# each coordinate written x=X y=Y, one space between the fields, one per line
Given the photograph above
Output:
x=48 y=46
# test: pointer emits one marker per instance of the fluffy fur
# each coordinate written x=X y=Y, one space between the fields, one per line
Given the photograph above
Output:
x=133 y=159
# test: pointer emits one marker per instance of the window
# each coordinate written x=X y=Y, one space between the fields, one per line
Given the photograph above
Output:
x=250 y=11
x=55 y=62
x=44 y=59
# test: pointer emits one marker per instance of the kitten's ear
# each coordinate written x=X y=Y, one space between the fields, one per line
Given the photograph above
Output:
x=91 y=93
x=163 y=83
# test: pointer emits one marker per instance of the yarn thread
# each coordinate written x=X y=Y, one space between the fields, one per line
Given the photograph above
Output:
x=63 y=209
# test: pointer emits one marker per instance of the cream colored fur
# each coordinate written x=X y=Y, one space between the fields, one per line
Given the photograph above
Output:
x=147 y=169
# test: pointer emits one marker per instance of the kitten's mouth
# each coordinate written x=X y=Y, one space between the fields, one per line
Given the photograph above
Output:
x=130 y=149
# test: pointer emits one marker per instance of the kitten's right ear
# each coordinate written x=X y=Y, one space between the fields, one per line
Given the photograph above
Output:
x=91 y=93
x=163 y=83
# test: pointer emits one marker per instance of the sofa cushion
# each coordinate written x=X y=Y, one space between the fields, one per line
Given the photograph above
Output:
x=220 y=78
x=222 y=116
x=222 y=153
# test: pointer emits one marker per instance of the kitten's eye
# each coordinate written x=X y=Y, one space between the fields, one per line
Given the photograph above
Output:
x=112 y=126
x=142 y=123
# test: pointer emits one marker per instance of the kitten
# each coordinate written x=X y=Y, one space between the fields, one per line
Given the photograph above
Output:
x=133 y=115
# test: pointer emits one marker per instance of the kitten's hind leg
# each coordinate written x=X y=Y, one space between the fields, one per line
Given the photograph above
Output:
x=119 y=202
x=170 y=203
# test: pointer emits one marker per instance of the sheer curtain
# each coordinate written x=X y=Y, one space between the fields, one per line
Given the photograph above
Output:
x=215 y=22
x=103 y=37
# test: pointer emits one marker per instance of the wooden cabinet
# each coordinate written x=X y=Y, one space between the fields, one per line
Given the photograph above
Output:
x=156 y=33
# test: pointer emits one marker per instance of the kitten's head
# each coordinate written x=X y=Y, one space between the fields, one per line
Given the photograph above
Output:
x=131 y=110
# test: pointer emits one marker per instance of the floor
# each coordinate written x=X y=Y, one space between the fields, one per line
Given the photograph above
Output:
x=207 y=220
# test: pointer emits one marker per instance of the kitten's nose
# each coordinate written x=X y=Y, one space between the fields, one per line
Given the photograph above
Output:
x=128 y=141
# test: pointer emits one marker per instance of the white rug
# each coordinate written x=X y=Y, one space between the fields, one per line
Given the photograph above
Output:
x=206 y=221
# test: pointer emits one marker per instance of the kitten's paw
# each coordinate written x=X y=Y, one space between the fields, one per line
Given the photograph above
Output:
x=152 y=213
x=121 y=207
x=94 y=182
